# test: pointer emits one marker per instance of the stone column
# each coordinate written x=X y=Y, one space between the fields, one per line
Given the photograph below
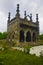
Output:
x=31 y=37
x=25 y=37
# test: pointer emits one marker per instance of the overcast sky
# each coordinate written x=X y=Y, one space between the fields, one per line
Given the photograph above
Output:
x=31 y=6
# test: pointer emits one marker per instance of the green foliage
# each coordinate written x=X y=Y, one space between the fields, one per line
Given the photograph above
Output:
x=41 y=37
x=3 y=43
x=27 y=47
x=3 y=35
x=27 y=50
x=15 y=57
x=1 y=61
x=0 y=35
x=41 y=54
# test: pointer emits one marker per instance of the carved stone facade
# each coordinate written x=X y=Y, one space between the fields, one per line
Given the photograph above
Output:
x=22 y=30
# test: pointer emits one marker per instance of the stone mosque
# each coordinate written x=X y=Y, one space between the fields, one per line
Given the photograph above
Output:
x=21 y=30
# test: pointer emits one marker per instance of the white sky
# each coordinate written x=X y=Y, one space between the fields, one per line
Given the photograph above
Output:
x=31 y=6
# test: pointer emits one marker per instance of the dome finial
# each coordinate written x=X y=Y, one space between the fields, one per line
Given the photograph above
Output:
x=36 y=17
x=17 y=14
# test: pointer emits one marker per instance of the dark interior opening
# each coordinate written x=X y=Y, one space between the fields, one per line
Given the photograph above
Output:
x=34 y=37
x=28 y=36
x=21 y=36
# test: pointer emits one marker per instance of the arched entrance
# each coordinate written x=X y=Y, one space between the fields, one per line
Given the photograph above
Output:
x=9 y=36
x=13 y=37
x=21 y=36
x=34 y=37
x=28 y=36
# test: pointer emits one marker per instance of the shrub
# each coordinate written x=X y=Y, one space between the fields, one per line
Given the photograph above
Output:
x=41 y=37
x=41 y=54
x=3 y=35
x=27 y=51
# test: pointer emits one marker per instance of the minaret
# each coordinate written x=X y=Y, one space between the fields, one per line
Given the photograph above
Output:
x=37 y=22
x=37 y=18
x=9 y=17
x=30 y=17
x=17 y=14
x=25 y=14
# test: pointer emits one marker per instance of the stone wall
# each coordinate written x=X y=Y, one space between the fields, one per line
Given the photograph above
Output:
x=14 y=29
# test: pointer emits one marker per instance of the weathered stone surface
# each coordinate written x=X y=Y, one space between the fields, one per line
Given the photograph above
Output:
x=29 y=31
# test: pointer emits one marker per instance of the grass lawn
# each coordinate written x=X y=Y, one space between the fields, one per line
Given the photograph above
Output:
x=14 y=57
x=2 y=42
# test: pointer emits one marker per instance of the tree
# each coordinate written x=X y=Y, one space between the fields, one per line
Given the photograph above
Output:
x=4 y=35
x=0 y=35
x=41 y=37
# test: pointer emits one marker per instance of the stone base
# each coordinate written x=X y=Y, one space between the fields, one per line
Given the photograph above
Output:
x=21 y=44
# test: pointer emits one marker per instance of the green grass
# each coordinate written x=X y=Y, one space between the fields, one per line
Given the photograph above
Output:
x=40 y=42
x=27 y=47
x=3 y=42
x=14 y=57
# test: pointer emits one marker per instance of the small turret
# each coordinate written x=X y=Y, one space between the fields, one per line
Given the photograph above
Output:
x=9 y=17
x=37 y=18
x=30 y=17
x=17 y=14
x=37 y=22
x=25 y=14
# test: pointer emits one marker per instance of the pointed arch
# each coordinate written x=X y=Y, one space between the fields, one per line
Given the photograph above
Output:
x=34 y=37
x=28 y=36
x=13 y=35
x=21 y=36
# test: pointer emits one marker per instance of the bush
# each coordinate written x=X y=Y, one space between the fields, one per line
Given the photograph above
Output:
x=41 y=37
x=41 y=54
x=3 y=35
x=27 y=51
x=0 y=35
